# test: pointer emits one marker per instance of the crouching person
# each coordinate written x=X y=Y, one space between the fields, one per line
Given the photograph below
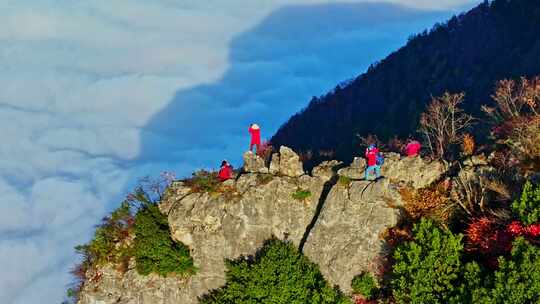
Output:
x=225 y=172
x=413 y=148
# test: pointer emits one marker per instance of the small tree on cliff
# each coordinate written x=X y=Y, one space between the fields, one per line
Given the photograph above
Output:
x=444 y=122
x=516 y=120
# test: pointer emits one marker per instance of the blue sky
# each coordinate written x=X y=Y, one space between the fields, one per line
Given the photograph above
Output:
x=95 y=94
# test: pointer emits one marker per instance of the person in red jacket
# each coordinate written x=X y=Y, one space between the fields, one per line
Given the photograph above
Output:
x=413 y=148
x=255 y=132
x=371 y=157
x=225 y=172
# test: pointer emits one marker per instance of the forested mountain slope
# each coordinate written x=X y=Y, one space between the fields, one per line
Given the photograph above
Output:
x=496 y=40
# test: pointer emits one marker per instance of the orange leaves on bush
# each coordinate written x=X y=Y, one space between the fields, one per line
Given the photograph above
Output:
x=517 y=228
x=468 y=144
x=433 y=202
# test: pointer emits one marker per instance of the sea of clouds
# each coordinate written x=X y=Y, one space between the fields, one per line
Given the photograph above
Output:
x=94 y=94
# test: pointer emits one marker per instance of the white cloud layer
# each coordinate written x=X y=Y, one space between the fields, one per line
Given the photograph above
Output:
x=95 y=93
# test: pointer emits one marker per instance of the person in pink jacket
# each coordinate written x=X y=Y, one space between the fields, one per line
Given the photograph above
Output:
x=413 y=148
x=255 y=132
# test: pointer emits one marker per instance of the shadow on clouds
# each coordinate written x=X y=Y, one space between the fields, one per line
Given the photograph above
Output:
x=274 y=69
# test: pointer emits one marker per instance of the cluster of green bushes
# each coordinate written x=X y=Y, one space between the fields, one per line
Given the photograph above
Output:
x=110 y=238
x=527 y=208
x=435 y=266
x=366 y=285
x=278 y=273
x=154 y=250
x=109 y=245
x=136 y=230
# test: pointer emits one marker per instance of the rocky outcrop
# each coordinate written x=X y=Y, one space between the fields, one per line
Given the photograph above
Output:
x=274 y=164
x=338 y=225
x=286 y=163
x=254 y=163
x=218 y=228
x=355 y=170
x=326 y=169
x=415 y=171
x=346 y=239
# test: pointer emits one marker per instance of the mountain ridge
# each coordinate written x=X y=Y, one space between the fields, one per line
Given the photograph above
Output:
x=469 y=53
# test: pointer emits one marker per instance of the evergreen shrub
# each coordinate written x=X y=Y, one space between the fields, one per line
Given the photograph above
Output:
x=278 y=273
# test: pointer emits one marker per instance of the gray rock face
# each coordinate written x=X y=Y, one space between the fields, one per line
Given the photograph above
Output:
x=216 y=228
x=289 y=163
x=355 y=170
x=274 y=164
x=344 y=241
x=254 y=163
x=413 y=170
x=177 y=190
x=326 y=169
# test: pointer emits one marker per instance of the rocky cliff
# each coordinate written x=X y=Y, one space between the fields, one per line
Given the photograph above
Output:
x=337 y=222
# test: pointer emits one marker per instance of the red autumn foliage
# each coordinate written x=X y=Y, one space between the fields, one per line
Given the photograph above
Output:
x=486 y=236
x=517 y=228
x=492 y=239
x=533 y=230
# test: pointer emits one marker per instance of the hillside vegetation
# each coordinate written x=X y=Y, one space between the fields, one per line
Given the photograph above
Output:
x=469 y=53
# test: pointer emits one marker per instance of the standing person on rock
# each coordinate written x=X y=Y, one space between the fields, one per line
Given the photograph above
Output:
x=374 y=161
x=255 y=132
